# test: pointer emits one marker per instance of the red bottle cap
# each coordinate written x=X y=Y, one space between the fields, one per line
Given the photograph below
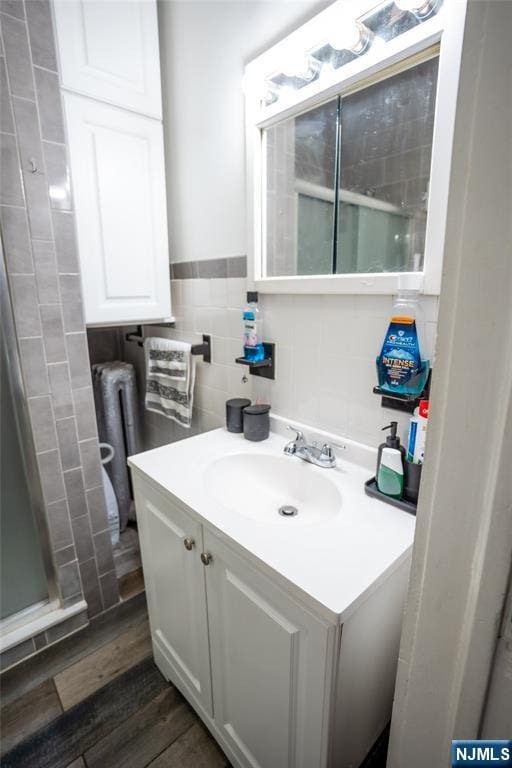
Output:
x=423 y=408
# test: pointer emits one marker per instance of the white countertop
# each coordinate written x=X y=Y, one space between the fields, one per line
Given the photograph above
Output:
x=337 y=561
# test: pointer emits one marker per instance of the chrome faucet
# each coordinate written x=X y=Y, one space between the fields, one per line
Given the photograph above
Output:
x=320 y=456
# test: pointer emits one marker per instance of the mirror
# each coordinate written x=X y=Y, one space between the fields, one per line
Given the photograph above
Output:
x=346 y=183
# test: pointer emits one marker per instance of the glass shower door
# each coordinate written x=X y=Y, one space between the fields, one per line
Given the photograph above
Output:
x=23 y=577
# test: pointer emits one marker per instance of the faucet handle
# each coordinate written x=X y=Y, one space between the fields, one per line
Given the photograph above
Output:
x=298 y=434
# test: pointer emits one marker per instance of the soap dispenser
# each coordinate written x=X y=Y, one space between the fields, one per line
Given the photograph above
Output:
x=390 y=464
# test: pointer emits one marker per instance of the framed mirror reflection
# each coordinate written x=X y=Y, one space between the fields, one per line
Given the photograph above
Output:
x=346 y=183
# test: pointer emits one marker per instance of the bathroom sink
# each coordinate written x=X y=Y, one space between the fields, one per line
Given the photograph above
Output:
x=271 y=488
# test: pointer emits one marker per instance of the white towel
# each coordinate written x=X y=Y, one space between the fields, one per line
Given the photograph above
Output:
x=170 y=377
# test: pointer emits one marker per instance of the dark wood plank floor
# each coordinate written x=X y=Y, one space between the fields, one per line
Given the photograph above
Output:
x=101 y=703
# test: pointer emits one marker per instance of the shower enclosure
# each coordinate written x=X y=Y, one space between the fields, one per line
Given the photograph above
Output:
x=27 y=578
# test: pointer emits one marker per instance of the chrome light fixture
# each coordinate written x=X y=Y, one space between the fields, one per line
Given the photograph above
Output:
x=422 y=9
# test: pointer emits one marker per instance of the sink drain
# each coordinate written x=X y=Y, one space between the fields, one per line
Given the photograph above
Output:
x=287 y=510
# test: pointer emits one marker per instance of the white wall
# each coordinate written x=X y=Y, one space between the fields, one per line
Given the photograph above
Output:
x=204 y=48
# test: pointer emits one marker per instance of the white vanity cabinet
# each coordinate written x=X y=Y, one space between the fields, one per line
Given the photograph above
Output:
x=278 y=683
x=109 y=50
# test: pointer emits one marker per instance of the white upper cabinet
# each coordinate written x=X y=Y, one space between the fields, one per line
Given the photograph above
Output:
x=118 y=176
x=109 y=50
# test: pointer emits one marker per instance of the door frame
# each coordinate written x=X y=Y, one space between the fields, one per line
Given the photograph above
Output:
x=461 y=555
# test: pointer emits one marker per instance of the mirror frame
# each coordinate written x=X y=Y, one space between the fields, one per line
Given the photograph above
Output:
x=443 y=31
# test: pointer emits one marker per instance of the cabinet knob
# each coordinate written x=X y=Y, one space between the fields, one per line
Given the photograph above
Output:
x=188 y=543
x=206 y=558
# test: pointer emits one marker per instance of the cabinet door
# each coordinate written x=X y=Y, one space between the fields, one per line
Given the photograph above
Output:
x=269 y=659
x=176 y=593
x=117 y=172
x=109 y=50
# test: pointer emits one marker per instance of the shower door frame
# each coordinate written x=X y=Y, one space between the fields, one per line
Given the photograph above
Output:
x=27 y=446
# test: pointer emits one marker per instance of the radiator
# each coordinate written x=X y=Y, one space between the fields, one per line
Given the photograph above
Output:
x=115 y=394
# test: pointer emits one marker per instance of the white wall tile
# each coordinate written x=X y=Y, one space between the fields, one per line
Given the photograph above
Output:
x=325 y=358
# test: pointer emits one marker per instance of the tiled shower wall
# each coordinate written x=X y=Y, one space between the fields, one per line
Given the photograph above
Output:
x=36 y=216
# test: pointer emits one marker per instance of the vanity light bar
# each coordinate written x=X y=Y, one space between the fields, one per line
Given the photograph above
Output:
x=347 y=33
x=422 y=9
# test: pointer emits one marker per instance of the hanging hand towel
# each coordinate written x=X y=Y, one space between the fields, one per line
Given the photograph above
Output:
x=170 y=376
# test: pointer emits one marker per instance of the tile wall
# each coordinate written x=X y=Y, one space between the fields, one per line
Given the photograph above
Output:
x=325 y=358
x=37 y=227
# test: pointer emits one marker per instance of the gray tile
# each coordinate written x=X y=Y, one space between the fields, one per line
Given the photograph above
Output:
x=91 y=585
x=13 y=7
x=70 y=288
x=103 y=549
x=33 y=167
x=33 y=365
x=237 y=266
x=75 y=492
x=65 y=243
x=184 y=270
x=17 y=54
x=78 y=356
x=57 y=173
x=73 y=317
x=16 y=654
x=60 y=385
x=68 y=443
x=45 y=266
x=11 y=191
x=60 y=525
x=26 y=310
x=36 y=192
x=51 y=476
x=69 y=579
x=40 y=30
x=16 y=240
x=97 y=509
x=79 y=621
x=50 y=107
x=210 y=268
x=6 y=118
x=85 y=413
x=53 y=333
x=43 y=426
x=39 y=641
x=29 y=140
x=91 y=464
x=83 y=537
x=109 y=589
x=65 y=555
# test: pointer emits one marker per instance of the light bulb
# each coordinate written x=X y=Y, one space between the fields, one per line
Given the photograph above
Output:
x=298 y=64
x=350 y=35
x=422 y=9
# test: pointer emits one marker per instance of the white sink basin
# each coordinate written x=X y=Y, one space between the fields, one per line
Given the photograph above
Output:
x=258 y=486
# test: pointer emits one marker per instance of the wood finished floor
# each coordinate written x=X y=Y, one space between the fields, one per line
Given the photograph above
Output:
x=97 y=700
x=101 y=703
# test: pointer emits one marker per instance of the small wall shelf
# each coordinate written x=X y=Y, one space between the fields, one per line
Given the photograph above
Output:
x=402 y=402
x=264 y=368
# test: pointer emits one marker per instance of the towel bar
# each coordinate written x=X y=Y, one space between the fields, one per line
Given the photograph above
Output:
x=204 y=349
